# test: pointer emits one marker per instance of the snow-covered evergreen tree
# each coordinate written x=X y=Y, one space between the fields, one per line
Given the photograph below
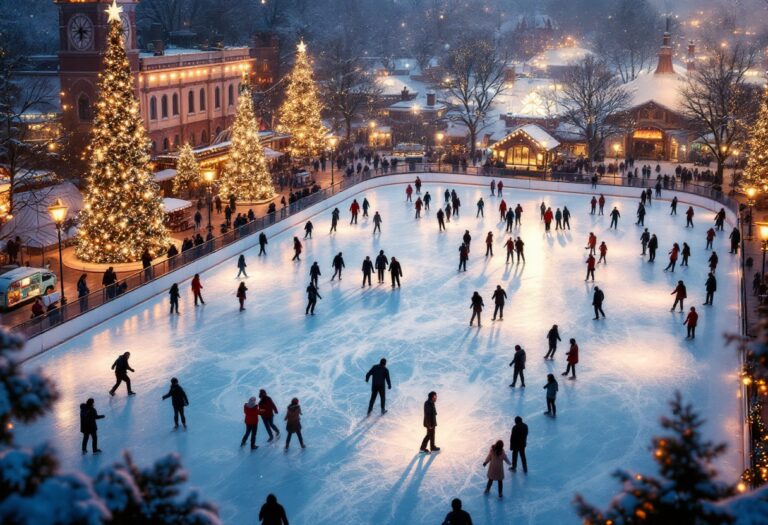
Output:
x=187 y=170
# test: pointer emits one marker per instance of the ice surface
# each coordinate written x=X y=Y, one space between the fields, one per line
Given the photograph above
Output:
x=358 y=470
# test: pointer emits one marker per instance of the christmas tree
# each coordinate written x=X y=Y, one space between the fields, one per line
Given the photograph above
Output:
x=187 y=170
x=299 y=115
x=122 y=213
x=246 y=174
x=687 y=492
x=756 y=173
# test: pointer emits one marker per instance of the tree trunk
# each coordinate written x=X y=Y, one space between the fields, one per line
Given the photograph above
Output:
x=348 y=125
x=472 y=142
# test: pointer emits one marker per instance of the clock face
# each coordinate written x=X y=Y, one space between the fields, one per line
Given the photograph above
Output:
x=80 y=31
x=126 y=30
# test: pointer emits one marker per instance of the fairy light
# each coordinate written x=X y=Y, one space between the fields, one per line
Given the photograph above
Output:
x=187 y=170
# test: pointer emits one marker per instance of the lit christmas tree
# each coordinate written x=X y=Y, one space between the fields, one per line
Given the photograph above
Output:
x=299 y=115
x=187 y=170
x=756 y=173
x=246 y=174
x=122 y=213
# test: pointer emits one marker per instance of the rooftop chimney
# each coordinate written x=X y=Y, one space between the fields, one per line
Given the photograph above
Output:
x=404 y=95
x=664 y=65
x=430 y=99
x=691 y=62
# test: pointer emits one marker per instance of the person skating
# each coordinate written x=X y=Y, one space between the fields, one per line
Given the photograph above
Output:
x=262 y=244
x=417 y=184
x=267 y=411
x=297 y=247
x=503 y=210
x=592 y=205
x=518 y=364
x=197 y=289
x=467 y=238
x=241 y=295
x=653 y=245
x=293 y=423
x=457 y=516
x=338 y=265
x=121 y=368
x=673 y=206
x=735 y=238
x=314 y=273
x=241 y=266
x=566 y=217
x=354 y=209
x=334 y=220
x=673 y=257
x=430 y=422
x=519 y=247
x=691 y=320
x=711 y=287
x=417 y=206
x=499 y=297
x=710 y=238
x=685 y=252
x=440 y=220
x=408 y=193
x=476 y=305
x=272 y=513
x=499 y=189
x=680 y=294
x=597 y=302
x=615 y=218
x=518 y=215
x=174 y=295
x=640 y=215
x=689 y=217
x=720 y=219
x=367 y=270
x=600 y=204
x=510 y=246
x=463 y=257
x=518 y=440
x=590 y=267
x=542 y=210
x=493 y=188
x=395 y=272
x=312 y=296
x=572 y=359
x=551 y=388
x=447 y=195
x=548 y=216
x=480 y=207
x=380 y=375
x=645 y=237
x=381 y=265
x=649 y=195
x=495 y=461
x=308 y=227
x=713 y=260
x=376 y=223
x=603 y=249
x=489 y=244
x=553 y=336
x=591 y=243
x=179 y=401
x=558 y=220
x=251 y=411
x=510 y=218
x=427 y=200
x=88 y=426
x=365 y=207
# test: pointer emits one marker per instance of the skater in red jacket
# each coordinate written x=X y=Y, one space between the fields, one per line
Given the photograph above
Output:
x=355 y=209
x=408 y=193
x=489 y=244
x=680 y=294
x=197 y=288
x=573 y=359
x=691 y=320
x=503 y=209
x=548 y=216
x=251 y=411
x=673 y=257
x=590 y=267
x=592 y=205
x=591 y=243
x=603 y=252
x=600 y=204
x=710 y=238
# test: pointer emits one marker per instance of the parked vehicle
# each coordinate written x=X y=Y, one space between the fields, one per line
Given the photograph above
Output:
x=19 y=285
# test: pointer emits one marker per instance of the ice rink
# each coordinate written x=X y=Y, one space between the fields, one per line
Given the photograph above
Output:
x=368 y=470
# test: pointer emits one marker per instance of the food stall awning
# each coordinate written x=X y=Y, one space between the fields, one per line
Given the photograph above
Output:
x=171 y=205
x=164 y=175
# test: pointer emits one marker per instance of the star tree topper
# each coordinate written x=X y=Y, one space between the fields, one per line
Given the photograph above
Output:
x=114 y=11
x=302 y=46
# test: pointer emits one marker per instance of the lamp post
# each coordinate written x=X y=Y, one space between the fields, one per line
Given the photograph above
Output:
x=209 y=176
x=616 y=148
x=439 y=139
x=762 y=228
x=332 y=142
x=751 y=191
x=58 y=212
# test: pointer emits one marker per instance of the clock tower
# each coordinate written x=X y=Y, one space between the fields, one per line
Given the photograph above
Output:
x=83 y=30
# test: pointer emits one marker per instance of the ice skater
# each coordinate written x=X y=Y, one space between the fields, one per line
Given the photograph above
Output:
x=603 y=249
x=312 y=296
x=457 y=516
x=197 y=289
x=293 y=423
x=376 y=223
x=338 y=265
x=553 y=336
x=121 y=368
x=174 y=295
x=566 y=217
x=241 y=296
x=551 y=388
x=241 y=266
x=597 y=302
x=519 y=247
x=493 y=188
x=267 y=411
x=615 y=218
x=314 y=273
x=427 y=200
x=591 y=243
x=263 y=244
x=640 y=215
x=518 y=215
x=713 y=260
x=179 y=401
x=476 y=305
x=467 y=238
x=480 y=207
x=440 y=220
x=653 y=245
x=685 y=252
x=381 y=265
x=380 y=375
x=417 y=184
x=88 y=426
x=499 y=297
x=510 y=217
x=367 y=270
x=308 y=227
x=334 y=220
x=558 y=220
x=735 y=238
x=592 y=205
x=366 y=206
x=503 y=210
x=691 y=320
x=689 y=217
x=489 y=244
x=672 y=258
x=495 y=461
x=417 y=206
x=510 y=246
x=542 y=211
x=720 y=219
x=572 y=359
x=251 y=412
x=680 y=294
x=711 y=287
x=430 y=422
x=644 y=238
x=590 y=268
x=408 y=193
x=518 y=440
x=463 y=257
x=354 y=209
x=673 y=206
x=272 y=513
x=548 y=216
x=296 y=249
x=600 y=204
x=499 y=189
x=710 y=238
x=395 y=272
x=518 y=364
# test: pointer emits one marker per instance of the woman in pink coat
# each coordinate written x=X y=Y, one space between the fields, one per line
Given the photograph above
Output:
x=495 y=461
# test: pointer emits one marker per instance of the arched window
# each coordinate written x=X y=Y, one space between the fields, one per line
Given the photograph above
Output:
x=84 y=108
x=153 y=108
x=164 y=106
x=175 y=104
x=191 y=102
x=231 y=95
x=217 y=98
x=175 y=142
x=165 y=144
x=204 y=138
x=202 y=99
x=191 y=138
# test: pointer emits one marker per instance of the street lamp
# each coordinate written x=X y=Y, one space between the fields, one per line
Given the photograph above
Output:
x=616 y=148
x=439 y=139
x=332 y=141
x=58 y=212
x=209 y=176
x=762 y=228
x=751 y=191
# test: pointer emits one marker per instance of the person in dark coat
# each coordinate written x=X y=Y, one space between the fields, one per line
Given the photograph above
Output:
x=174 y=297
x=480 y=207
x=440 y=220
x=680 y=294
x=430 y=422
x=510 y=217
x=597 y=301
x=519 y=247
x=457 y=516
x=297 y=247
x=312 y=296
x=262 y=243
x=689 y=217
x=653 y=245
x=720 y=219
x=314 y=273
x=272 y=513
x=713 y=260
x=427 y=200
x=395 y=272
x=518 y=440
x=366 y=205
x=121 y=368
x=380 y=375
x=551 y=387
x=566 y=217
x=467 y=238
x=553 y=336
x=241 y=295
x=691 y=320
x=640 y=215
x=381 y=265
x=673 y=206
x=489 y=244
x=179 y=401
x=108 y=281
x=645 y=238
x=251 y=411
x=710 y=237
x=82 y=291
x=334 y=219
x=518 y=362
x=615 y=218
x=711 y=287
x=377 y=223
x=463 y=256
x=293 y=423
x=241 y=266
x=337 y=264
x=367 y=270
x=476 y=306
x=685 y=252
x=308 y=229
x=573 y=359
x=88 y=427
x=499 y=297
x=735 y=238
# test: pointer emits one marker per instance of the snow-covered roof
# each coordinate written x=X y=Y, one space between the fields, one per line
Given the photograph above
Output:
x=392 y=85
x=417 y=104
x=561 y=56
x=535 y=133
x=528 y=97
x=664 y=89
x=163 y=175
x=171 y=205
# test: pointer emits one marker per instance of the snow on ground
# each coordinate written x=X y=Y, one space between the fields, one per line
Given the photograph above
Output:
x=359 y=470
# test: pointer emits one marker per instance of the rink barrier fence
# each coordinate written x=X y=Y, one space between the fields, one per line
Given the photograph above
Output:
x=83 y=313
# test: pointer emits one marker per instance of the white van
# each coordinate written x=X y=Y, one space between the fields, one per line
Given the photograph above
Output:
x=22 y=284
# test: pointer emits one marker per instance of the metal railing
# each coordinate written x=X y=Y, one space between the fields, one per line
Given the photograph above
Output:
x=81 y=305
